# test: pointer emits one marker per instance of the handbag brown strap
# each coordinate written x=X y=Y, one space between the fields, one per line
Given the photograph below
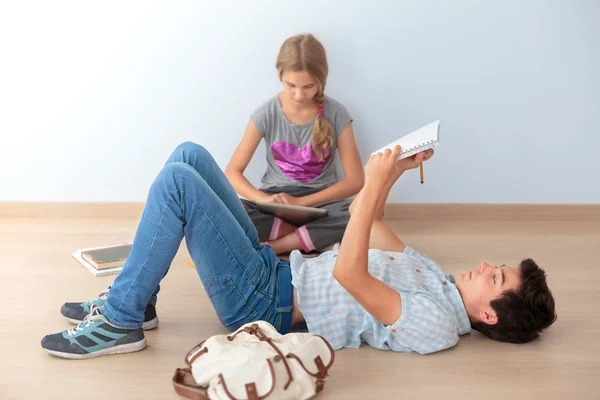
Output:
x=185 y=385
x=196 y=352
x=255 y=330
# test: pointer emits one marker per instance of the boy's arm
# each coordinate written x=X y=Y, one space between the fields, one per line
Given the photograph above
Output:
x=351 y=267
x=382 y=236
x=380 y=203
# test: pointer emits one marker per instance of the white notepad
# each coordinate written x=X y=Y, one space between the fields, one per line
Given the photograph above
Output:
x=415 y=142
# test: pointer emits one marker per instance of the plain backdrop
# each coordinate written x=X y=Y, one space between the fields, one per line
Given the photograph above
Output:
x=95 y=96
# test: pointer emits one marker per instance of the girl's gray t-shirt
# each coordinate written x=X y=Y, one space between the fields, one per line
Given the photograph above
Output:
x=291 y=160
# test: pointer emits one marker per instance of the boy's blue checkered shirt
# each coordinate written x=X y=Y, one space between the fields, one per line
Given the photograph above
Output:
x=433 y=314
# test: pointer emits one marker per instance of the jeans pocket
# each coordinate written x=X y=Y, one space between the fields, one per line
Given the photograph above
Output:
x=231 y=307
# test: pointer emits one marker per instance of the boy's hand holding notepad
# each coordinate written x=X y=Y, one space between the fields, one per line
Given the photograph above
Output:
x=416 y=142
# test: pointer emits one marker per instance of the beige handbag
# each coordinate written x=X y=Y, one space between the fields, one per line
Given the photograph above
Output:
x=256 y=362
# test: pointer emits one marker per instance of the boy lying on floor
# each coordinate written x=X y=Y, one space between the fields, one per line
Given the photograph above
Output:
x=375 y=289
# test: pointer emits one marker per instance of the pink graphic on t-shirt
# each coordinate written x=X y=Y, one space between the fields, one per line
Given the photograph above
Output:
x=301 y=164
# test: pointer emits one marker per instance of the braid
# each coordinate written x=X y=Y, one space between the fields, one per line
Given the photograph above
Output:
x=321 y=139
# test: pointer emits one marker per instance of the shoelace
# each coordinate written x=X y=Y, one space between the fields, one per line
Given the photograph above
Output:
x=102 y=295
x=87 y=321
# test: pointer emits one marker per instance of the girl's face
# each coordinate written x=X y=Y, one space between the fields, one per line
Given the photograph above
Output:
x=299 y=86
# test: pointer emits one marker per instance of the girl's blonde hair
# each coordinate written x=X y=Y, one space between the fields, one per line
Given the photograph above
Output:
x=306 y=53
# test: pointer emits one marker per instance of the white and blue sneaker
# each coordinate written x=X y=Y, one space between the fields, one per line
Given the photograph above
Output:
x=94 y=337
x=76 y=312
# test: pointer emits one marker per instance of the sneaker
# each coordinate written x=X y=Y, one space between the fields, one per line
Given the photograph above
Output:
x=76 y=312
x=94 y=337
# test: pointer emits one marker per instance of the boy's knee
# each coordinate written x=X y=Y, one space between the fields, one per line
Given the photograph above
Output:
x=188 y=150
x=174 y=173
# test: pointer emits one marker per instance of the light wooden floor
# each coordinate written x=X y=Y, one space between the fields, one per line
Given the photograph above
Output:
x=38 y=275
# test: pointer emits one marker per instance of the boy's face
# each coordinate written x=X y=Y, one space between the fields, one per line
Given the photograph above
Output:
x=482 y=285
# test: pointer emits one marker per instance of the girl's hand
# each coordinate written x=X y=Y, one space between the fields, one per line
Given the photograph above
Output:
x=283 y=198
x=272 y=199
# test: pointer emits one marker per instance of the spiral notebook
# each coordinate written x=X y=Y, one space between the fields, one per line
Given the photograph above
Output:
x=415 y=142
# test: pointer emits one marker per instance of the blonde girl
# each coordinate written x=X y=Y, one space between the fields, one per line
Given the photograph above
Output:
x=302 y=129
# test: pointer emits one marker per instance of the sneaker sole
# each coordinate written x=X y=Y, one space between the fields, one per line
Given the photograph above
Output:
x=124 y=348
x=146 y=326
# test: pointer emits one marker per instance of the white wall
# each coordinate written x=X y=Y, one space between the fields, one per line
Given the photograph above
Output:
x=93 y=96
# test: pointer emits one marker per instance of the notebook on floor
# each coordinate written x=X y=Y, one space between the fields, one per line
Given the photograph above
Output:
x=103 y=260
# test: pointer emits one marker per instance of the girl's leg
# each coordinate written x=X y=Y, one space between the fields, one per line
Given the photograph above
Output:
x=267 y=225
x=328 y=230
x=318 y=234
x=278 y=233
x=290 y=241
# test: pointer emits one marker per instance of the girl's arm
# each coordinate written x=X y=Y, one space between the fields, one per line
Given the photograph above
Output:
x=354 y=176
x=240 y=160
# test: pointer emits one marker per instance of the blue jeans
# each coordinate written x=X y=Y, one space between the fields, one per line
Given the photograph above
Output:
x=192 y=198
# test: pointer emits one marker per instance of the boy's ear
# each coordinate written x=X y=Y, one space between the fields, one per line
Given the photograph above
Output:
x=489 y=316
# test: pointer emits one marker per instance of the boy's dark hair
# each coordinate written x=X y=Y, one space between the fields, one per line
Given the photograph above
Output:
x=523 y=313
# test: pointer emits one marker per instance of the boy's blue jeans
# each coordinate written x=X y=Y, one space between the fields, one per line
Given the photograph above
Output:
x=192 y=198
